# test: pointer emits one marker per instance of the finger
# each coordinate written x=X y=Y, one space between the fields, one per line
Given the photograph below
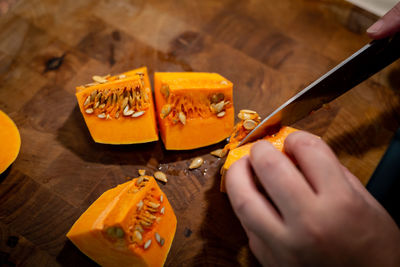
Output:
x=262 y=251
x=386 y=26
x=251 y=207
x=280 y=179
x=316 y=161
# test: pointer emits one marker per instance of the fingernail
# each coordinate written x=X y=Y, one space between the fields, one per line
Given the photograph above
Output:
x=375 y=27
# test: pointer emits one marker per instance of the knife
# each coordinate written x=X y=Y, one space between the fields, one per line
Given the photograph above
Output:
x=358 y=67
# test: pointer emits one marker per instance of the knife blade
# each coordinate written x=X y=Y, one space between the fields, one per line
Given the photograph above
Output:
x=367 y=61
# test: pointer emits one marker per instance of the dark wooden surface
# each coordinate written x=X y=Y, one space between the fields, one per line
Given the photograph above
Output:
x=268 y=49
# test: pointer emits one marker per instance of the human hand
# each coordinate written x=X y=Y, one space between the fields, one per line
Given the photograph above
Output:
x=386 y=26
x=318 y=214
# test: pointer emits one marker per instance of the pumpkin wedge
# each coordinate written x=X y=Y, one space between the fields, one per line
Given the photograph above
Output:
x=277 y=140
x=194 y=109
x=119 y=109
x=10 y=141
x=132 y=224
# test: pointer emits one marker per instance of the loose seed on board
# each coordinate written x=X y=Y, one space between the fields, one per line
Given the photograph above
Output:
x=248 y=111
x=182 y=118
x=221 y=114
x=137 y=114
x=158 y=237
x=142 y=172
x=244 y=116
x=99 y=79
x=147 y=244
x=139 y=180
x=196 y=162
x=89 y=110
x=249 y=124
x=101 y=116
x=160 y=176
x=220 y=153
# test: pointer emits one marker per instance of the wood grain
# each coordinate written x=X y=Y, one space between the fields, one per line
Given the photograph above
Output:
x=269 y=49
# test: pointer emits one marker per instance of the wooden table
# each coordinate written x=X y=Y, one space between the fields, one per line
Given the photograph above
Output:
x=269 y=49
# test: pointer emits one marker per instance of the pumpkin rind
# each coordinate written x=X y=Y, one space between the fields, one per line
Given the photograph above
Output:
x=105 y=115
x=277 y=140
x=105 y=232
x=10 y=141
x=193 y=109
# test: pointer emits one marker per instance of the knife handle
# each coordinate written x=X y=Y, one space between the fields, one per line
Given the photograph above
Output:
x=384 y=183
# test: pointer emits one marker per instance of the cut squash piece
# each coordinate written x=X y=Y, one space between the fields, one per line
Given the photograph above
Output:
x=10 y=141
x=119 y=109
x=194 y=109
x=277 y=140
x=132 y=224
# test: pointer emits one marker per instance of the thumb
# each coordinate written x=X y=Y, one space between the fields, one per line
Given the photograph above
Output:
x=386 y=26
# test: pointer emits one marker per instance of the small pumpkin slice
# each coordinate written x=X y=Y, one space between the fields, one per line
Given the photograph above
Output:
x=119 y=109
x=132 y=224
x=194 y=109
x=277 y=140
x=10 y=141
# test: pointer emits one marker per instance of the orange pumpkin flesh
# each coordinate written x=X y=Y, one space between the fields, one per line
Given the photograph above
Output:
x=277 y=140
x=194 y=109
x=115 y=230
x=10 y=141
x=119 y=109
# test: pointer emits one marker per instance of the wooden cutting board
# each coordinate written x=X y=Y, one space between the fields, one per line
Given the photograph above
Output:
x=268 y=49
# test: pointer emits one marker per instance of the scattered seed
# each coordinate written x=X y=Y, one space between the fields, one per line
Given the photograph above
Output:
x=158 y=237
x=137 y=114
x=248 y=111
x=139 y=180
x=166 y=109
x=196 y=162
x=220 y=153
x=182 y=118
x=249 y=124
x=147 y=244
x=101 y=116
x=138 y=235
x=89 y=110
x=99 y=79
x=87 y=101
x=142 y=172
x=160 y=176
x=224 y=82
x=244 y=116
x=221 y=114
x=162 y=211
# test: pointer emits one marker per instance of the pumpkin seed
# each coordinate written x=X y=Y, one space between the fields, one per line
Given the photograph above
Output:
x=249 y=124
x=99 y=79
x=215 y=98
x=124 y=103
x=220 y=153
x=150 y=216
x=122 y=76
x=87 y=101
x=108 y=117
x=101 y=116
x=161 y=198
x=166 y=109
x=182 y=118
x=137 y=114
x=138 y=235
x=158 y=237
x=197 y=162
x=127 y=111
x=96 y=104
x=145 y=224
x=117 y=114
x=221 y=114
x=102 y=106
x=153 y=205
x=93 y=95
x=147 y=244
x=139 y=180
x=89 y=110
x=139 y=205
x=162 y=211
x=224 y=82
x=160 y=176
x=248 y=111
x=165 y=90
x=244 y=116
x=162 y=241
x=142 y=172
x=139 y=228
